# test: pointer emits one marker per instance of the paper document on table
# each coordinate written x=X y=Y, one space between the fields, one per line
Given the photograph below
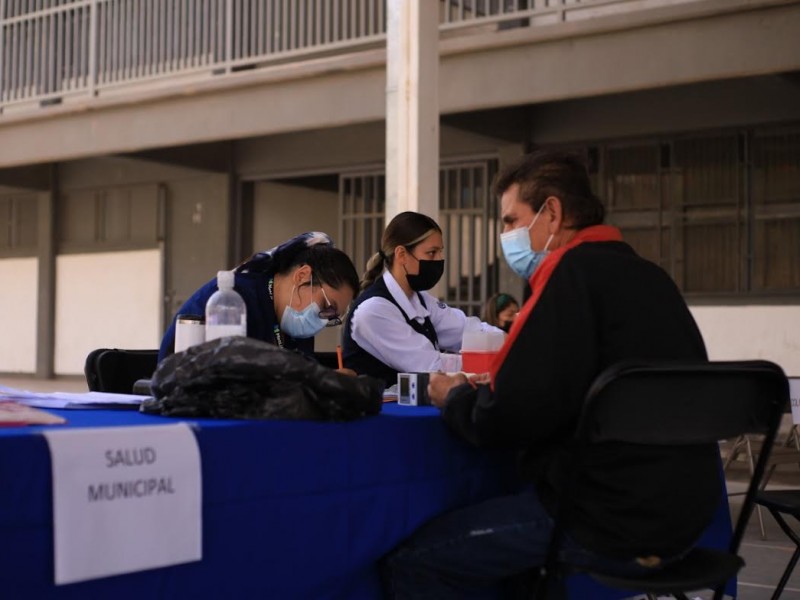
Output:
x=13 y=414
x=390 y=394
x=70 y=399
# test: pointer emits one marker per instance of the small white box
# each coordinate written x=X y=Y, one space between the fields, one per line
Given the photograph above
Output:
x=412 y=389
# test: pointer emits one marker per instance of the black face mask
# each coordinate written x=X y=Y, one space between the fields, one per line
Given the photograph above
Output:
x=430 y=272
x=506 y=326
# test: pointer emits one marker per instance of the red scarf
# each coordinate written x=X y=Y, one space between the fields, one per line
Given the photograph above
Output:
x=540 y=277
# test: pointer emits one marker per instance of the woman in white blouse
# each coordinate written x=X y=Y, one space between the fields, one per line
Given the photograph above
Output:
x=395 y=325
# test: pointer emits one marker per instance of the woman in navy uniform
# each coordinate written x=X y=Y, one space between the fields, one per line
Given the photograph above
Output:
x=395 y=325
x=291 y=292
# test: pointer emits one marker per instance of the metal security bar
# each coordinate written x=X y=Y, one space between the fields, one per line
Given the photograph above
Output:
x=468 y=217
x=362 y=208
x=18 y=225
x=719 y=211
x=54 y=50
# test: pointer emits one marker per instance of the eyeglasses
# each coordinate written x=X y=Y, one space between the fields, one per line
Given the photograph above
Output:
x=330 y=312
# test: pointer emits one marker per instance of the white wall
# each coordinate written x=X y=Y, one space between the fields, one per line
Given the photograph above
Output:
x=106 y=300
x=750 y=332
x=18 y=303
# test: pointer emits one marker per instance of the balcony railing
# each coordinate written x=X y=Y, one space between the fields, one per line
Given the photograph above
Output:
x=52 y=51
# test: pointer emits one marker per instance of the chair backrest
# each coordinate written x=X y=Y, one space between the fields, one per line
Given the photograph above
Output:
x=674 y=404
x=658 y=403
x=115 y=370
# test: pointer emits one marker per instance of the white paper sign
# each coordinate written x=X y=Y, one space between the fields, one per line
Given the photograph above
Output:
x=794 y=397
x=124 y=499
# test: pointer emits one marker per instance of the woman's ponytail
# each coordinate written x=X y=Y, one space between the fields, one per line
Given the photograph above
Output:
x=374 y=269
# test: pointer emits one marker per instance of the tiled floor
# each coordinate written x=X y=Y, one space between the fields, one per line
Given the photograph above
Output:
x=766 y=559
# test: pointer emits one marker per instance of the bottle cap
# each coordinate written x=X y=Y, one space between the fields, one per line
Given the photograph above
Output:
x=187 y=318
x=225 y=280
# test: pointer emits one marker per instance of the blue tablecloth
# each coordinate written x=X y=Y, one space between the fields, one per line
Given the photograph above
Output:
x=290 y=509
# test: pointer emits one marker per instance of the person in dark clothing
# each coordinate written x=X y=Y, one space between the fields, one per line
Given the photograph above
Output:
x=594 y=303
x=291 y=292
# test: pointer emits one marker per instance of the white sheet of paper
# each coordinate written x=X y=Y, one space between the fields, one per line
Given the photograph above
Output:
x=69 y=399
x=794 y=397
x=125 y=499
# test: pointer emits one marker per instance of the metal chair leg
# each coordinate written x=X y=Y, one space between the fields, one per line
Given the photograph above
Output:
x=786 y=574
x=752 y=470
x=792 y=561
x=736 y=447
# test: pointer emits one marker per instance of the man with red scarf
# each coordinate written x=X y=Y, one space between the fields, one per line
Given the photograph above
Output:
x=594 y=303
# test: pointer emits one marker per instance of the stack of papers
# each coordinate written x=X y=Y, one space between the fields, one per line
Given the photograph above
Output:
x=390 y=394
x=71 y=400
x=13 y=414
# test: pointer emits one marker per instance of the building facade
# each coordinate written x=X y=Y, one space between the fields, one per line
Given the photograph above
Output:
x=145 y=144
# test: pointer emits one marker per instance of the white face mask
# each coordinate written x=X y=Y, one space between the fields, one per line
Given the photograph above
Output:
x=516 y=245
x=304 y=323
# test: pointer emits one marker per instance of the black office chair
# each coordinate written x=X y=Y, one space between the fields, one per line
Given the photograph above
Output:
x=779 y=503
x=676 y=404
x=116 y=371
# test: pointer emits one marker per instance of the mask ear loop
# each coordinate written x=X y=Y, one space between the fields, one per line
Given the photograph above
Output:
x=291 y=295
x=297 y=287
x=408 y=252
x=310 y=284
x=541 y=208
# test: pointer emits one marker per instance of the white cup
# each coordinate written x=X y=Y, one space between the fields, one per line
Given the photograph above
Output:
x=190 y=330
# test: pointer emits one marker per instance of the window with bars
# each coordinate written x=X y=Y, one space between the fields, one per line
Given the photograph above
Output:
x=100 y=219
x=18 y=225
x=362 y=205
x=720 y=212
x=467 y=216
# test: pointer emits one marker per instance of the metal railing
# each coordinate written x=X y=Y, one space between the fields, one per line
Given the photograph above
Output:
x=523 y=13
x=54 y=50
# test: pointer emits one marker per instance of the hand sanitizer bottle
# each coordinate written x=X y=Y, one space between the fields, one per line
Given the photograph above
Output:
x=226 y=314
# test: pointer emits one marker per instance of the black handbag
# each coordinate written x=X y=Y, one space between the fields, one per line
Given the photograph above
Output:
x=244 y=378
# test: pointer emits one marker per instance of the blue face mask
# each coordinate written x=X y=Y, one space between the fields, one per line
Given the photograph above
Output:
x=304 y=323
x=516 y=245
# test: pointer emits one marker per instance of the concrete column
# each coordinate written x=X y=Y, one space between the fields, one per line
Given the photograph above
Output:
x=412 y=107
x=46 y=253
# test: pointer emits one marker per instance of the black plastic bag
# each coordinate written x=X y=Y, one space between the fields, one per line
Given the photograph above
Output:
x=244 y=378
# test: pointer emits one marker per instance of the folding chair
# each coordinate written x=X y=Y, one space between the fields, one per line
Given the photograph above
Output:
x=663 y=404
x=786 y=453
x=786 y=502
x=115 y=370
x=779 y=503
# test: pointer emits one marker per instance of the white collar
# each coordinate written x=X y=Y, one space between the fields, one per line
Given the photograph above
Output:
x=411 y=306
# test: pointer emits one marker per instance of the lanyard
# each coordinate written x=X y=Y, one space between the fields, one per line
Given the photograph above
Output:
x=276 y=330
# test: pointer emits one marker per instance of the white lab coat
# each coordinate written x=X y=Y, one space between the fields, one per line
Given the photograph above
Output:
x=379 y=328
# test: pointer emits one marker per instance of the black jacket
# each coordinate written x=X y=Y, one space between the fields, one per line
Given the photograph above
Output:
x=602 y=304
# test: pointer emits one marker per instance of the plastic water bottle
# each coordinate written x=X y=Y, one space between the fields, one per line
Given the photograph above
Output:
x=226 y=314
